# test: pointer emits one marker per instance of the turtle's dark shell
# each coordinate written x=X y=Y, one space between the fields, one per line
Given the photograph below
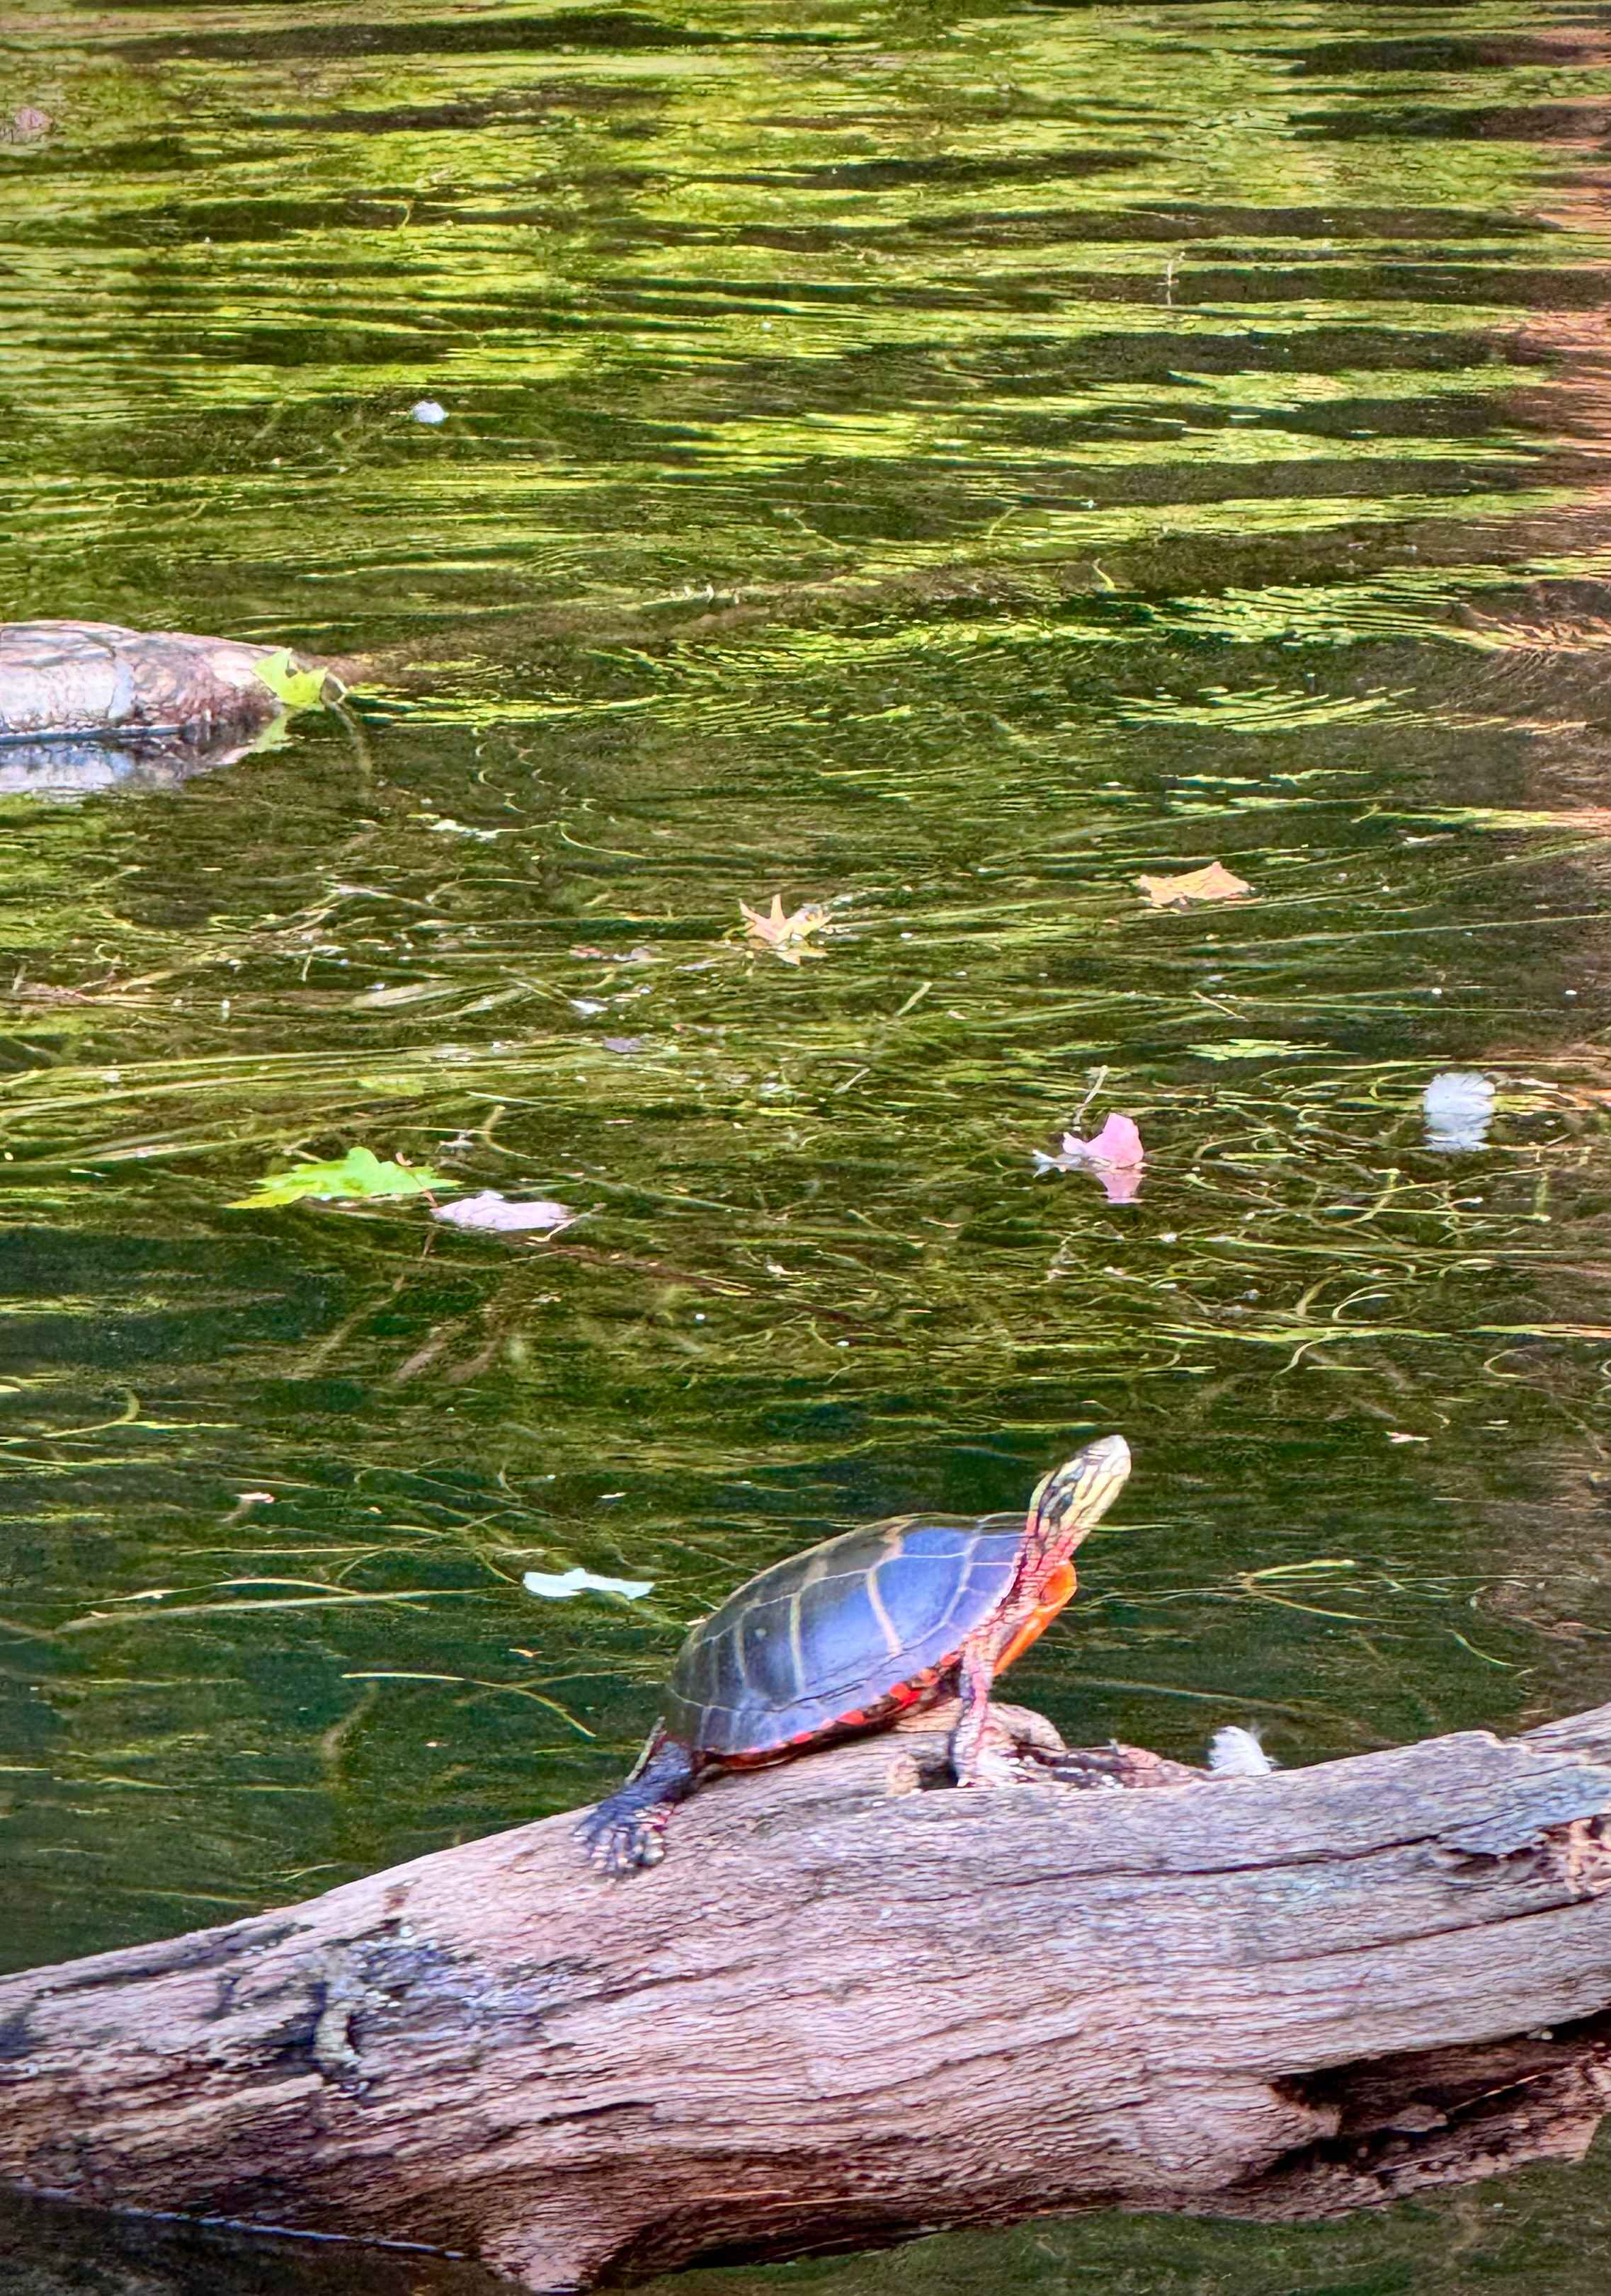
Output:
x=821 y=1639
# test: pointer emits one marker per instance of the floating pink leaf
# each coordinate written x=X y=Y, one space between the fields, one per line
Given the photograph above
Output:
x=1118 y=1144
x=1115 y=1157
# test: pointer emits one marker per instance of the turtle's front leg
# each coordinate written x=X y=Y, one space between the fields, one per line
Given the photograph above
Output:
x=971 y=1759
x=629 y=1829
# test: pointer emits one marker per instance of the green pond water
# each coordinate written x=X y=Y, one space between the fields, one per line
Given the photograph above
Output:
x=939 y=461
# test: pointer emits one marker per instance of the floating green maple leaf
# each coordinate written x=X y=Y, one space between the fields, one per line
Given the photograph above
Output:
x=359 y=1173
x=290 y=681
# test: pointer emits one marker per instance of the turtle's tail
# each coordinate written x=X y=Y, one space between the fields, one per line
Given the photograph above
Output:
x=628 y=1828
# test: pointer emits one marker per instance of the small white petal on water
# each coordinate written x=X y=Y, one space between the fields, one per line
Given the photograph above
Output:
x=1459 y=1107
x=560 y=1586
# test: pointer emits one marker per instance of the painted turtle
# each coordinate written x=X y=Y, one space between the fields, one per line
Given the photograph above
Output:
x=851 y=1634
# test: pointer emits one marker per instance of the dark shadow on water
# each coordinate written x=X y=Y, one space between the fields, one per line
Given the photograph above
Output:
x=50 y=2249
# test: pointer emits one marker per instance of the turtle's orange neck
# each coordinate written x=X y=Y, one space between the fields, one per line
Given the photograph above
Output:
x=1067 y=1504
x=1055 y=1590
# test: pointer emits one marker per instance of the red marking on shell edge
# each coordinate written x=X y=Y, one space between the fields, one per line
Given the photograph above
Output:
x=876 y=1715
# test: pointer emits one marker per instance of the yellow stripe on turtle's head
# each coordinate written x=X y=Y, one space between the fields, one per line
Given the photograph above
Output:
x=1073 y=1498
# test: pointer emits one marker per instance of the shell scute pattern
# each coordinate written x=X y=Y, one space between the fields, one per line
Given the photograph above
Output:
x=831 y=1634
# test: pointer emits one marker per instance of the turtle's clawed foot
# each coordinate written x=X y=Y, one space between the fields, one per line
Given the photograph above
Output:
x=1112 y=1766
x=1007 y=1750
x=1012 y=1744
x=997 y=1763
x=629 y=1829
x=617 y=1841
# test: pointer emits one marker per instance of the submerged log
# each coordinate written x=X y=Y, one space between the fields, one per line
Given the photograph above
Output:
x=846 y=2010
x=64 y=679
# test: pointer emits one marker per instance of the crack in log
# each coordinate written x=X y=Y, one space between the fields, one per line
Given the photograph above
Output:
x=1412 y=2122
x=171 y=1957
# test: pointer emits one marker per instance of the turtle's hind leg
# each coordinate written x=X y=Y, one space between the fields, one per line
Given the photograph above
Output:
x=628 y=1829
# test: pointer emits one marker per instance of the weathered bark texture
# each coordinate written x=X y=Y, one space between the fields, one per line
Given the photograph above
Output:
x=844 y=2012
x=66 y=678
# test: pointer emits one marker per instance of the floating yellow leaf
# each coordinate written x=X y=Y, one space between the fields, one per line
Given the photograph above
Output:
x=1214 y=883
x=787 y=937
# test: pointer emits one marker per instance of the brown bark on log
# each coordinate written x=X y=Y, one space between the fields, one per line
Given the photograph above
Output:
x=844 y=2012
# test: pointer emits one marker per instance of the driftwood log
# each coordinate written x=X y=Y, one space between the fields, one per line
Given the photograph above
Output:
x=90 y=706
x=846 y=2010
x=59 y=679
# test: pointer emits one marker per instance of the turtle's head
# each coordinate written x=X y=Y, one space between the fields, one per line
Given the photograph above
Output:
x=1073 y=1498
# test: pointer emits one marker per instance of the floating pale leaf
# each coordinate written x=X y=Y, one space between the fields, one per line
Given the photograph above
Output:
x=444 y=825
x=1248 y=1048
x=358 y=1173
x=1459 y=1107
x=1213 y=883
x=506 y=1215
x=560 y=1586
x=401 y=992
x=787 y=937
